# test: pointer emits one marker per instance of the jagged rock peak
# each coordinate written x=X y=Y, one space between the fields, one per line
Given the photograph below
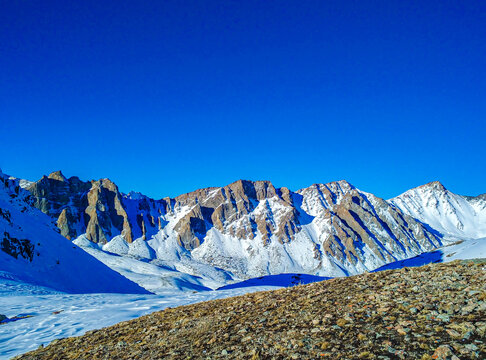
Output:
x=435 y=185
x=258 y=190
x=343 y=182
x=244 y=182
x=135 y=195
x=105 y=183
x=57 y=175
x=342 y=186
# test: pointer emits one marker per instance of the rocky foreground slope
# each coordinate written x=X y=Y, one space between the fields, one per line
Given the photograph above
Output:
x=436 y=311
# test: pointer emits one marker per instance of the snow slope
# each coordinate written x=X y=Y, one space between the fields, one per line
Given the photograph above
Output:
x=455 y=216
x=152 y=274
x=32 y=251
x=462 y=250
x=57 y=316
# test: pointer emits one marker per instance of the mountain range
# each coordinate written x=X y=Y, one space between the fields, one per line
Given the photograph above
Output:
x=217 y=235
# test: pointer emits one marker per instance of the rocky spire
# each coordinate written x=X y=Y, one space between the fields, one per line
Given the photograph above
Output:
x=57 y=175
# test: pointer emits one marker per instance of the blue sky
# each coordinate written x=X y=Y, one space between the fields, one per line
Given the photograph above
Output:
x=165 y=97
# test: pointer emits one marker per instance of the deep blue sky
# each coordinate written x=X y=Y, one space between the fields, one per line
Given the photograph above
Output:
x=165 y=97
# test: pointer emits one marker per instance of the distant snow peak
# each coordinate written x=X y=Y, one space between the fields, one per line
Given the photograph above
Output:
x=455 y=216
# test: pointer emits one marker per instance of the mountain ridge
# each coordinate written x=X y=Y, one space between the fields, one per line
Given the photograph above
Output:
x=249 y=228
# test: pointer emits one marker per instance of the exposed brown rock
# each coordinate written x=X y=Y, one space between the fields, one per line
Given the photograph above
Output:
x=63 y=199
x=228 y=209
x=93 y=207
x=64 y=223
x=105 y=212
x=57 y=175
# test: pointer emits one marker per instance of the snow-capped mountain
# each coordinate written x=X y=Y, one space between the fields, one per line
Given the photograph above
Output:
x=247 y=228
x=33 y=252
x=455 y=216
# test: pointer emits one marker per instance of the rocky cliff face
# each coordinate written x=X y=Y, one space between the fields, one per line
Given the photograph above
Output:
x=10 y=243
x=357 y=227
x=94 y=208
x=248 y=227
x=241 y=210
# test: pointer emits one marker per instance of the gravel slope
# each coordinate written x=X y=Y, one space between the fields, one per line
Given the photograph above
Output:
x=437 y=311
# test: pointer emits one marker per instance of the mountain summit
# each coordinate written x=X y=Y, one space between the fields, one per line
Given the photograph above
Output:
x=461 y=217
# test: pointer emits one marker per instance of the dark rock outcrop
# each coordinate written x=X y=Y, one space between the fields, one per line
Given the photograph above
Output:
x=17 y=247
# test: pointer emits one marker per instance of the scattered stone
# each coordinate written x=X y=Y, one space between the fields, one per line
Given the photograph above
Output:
x=341 y=322
x=443 y=352
x=443 y=317
x=453 y=333
x=471 y=347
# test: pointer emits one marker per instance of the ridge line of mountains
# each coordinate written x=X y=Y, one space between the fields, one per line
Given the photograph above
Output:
x=250 y=228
